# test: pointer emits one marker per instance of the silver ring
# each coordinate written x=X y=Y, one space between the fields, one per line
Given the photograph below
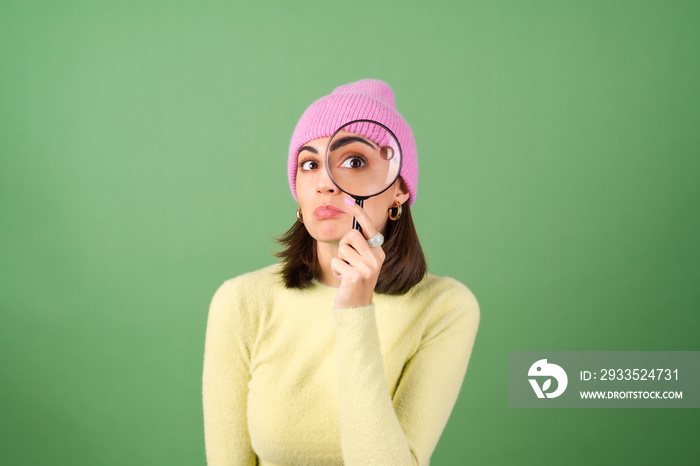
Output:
x=376 y=240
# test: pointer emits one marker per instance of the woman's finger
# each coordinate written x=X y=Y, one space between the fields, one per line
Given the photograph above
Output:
x=356 y=240
x=349 y=272
x=368 y=227
x=354 y=249
x=338 y=266
x=347 y=252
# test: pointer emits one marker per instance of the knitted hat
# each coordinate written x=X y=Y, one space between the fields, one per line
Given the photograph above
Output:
x=369 y=99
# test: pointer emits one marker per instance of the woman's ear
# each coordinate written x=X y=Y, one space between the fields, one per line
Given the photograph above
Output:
x=402 y=193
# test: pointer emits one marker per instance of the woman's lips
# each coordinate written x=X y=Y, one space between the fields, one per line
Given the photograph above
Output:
x=327 y=211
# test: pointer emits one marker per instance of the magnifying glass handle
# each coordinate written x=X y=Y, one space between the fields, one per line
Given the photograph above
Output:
x=355 y=225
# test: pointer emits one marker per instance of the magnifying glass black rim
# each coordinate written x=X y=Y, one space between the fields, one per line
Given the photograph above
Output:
x=328 y=147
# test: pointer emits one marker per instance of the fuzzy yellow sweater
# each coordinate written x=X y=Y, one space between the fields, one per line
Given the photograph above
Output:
x=289 y=380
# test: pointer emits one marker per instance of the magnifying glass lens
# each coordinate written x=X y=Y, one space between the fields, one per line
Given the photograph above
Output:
x=363 y=158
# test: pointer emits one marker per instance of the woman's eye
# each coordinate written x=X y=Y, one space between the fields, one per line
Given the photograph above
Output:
x=353 y=162
x=308 y=165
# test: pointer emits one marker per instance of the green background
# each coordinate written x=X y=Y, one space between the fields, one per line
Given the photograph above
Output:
x=143 y=162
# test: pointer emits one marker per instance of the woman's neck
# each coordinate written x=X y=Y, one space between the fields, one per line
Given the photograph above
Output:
x=325 y=252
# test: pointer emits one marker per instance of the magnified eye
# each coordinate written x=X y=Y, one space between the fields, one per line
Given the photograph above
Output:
x=354 y=161
x=308 y=165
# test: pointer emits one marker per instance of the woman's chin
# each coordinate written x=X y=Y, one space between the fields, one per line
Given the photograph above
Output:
x=329 y=232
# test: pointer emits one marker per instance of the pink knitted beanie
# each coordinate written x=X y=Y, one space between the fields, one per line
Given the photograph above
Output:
x=369 y=99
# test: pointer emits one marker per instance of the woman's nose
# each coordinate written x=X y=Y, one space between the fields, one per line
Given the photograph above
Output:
x=324 y=183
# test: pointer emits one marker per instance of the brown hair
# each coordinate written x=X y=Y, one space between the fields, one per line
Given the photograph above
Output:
x=404 y=265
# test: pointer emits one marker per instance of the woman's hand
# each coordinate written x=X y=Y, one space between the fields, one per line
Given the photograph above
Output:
x=357 y=265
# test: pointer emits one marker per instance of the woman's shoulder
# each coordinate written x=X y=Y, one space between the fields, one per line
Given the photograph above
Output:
x=265 y=278
x=446 y=292
x=249 y=289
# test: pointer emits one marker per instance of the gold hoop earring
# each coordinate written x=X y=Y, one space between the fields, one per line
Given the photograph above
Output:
x=300 y=217
x=397 y=206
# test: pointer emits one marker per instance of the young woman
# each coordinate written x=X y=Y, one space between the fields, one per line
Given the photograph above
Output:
x=348 y=351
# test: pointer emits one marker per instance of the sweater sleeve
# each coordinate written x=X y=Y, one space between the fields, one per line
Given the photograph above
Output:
x=225 y=381
x=375 y=429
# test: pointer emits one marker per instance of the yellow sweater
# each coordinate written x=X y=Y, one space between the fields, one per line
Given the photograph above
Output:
x=289 y=380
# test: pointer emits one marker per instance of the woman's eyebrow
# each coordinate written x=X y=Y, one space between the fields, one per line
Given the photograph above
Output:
x=348 y=139
x=309 y=148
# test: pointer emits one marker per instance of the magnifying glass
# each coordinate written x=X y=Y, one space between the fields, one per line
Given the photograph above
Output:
x=363 y=159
